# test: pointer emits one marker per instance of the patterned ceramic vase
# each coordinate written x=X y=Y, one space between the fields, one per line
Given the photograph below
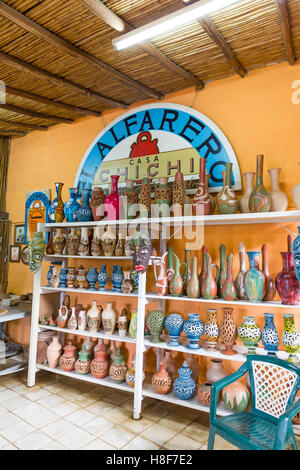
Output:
x=112 y=277
x=100 y=364
x=57 y=201
x=184 y=385
x=59 y=242
x=178 y=194
x=132 y=200
x=84 y=213
x=228 y=287
x=82 y=365
x=223 y=271
x=286 y=281
x=255 y=280
x=215 y=371
x=163 y=197
x=260 y=200
x=84 y=246
x=161 y=380
x=226 y=200
x=92 y=278
x=72 y=242
x=212 y=330
x=249 y=333
x=209 y=284
x=270 y=284
x=82 y=320
x=97 y=203
x=228 y=332
x=236 y=396
x=270 y=337
x=94 y=317
x=118 y=279
x=81 y=277
x=240 y=279
x=291 y=338
x=204 y=391
x=145 y=198
x=155 y=321
x=72 y=323
x=133 y=324
x=49 y=275
x=112 y=201
x=176 y=284
x=174 y=325
x=296 y=253
x=130 y=375
x=71 y=278
x=96 y=241
x=102 y=277
x=109 y=319
x=63 y=316
x=68 y=359
x=108 y=242
x=123 y=323
x=193 y=328
x=118 y=369
x=127 y=286
x=63 y=277
x=202 y=203
x=54 y=279
x=71 y=205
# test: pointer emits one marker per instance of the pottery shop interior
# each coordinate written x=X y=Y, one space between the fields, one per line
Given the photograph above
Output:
x=150 y=226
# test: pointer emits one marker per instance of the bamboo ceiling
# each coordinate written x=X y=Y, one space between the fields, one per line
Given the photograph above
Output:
x=58 y=62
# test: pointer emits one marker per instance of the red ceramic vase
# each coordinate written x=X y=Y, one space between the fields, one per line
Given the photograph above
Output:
x=112 y=201
x=286 y=281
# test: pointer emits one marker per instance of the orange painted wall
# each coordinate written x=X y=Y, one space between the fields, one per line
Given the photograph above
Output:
x=256 y=114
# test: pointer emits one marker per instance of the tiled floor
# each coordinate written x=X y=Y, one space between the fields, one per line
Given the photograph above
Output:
x=62 y=413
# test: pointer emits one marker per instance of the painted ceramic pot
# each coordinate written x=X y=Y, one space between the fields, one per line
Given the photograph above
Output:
x=163 y=197
x=162 y=381
x=215 y=371
x=63 y=277
x=84 y=245
x=176 y=284
x=109 y=319
x=255 y=280
x=228 y=287
x=287 y=284
x=236 y=396
x=97 y=203
x=92 y=278
x=127 y=286
x=36 y=250
x=192 y=286
x=184 y=385
x=133 y=324
x=68 y=359
x=108 y=241
x=63 y=316
x=94 y=317
x=260 y=200
x=240 y=279
x=118 y=278
x=55 y=278
x=49 y=275
x=118 y=369
x=123 y=323
x=132 y=200
x=81 y=277
x=174 y=325
x=145 y=198
x=212 y=330
x=112 y=201
x=112 y=277
x=57 y=202
x=270 y=337
x=82 y=365
x=209 y=284
x=71 y=278
x=155 y=321
x=291 y=338
x=193 y=328
x=202 y=203
x=223 y=270
x=100 y=364
x=296 y=254
x=204 y=391
x=279 y=198
x=244 y=201
x=59 y=242
x=102 y=277
x=71 y=205
x=249 y=333
x=53 y=352
x=226 y=200
x=96 y=242
x=228 y=332
x=270 y=284
x=72 y=242
x=84 y=213
x=72 y=322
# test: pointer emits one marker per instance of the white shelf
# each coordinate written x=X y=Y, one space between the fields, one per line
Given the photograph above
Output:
x=107 y=382
x=91 y=258
x=87 y=291
x=13 y=313
x=243 y=303
x=99 y=334
x=193 y=403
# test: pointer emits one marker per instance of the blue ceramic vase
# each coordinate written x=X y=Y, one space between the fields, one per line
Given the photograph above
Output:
x=92 y=278
x=102 y=277
x=270 y=337
x=63 y=277
x=296 y=254
x=71 y=205
x=174 y=326
x=184 y=385
x=119 y=276
x=112 y=277
x=84 y=213
x=49 y=275
x=255 y=280
x=193 y=329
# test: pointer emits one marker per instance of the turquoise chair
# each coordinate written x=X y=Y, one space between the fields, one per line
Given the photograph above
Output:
x=268 y=425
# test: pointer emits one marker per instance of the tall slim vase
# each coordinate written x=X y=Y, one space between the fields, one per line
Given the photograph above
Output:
x=260 y=200
x=202 y=203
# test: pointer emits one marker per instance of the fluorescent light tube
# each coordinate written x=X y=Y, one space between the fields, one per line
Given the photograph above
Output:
x=170 y=22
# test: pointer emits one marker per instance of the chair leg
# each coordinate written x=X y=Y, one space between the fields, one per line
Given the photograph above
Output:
x=211 y=439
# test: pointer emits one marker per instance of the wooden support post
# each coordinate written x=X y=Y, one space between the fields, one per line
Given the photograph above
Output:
x=285 y=25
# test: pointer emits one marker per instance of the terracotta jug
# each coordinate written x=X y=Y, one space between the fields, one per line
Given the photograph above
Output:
x=202 y=203
x=161 y=279
x=270 y=284
x=228 y=288
x=244 y=201
x=53 y=352
x=68 y=359
x=279 y=198
x=239 y=280
x=100 y=365
x=161 y=380
x=209 y=285
x=193 y=288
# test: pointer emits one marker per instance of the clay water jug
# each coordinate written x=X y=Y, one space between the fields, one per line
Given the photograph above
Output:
x=161 y=380
x=68 y=359
x=100 y=365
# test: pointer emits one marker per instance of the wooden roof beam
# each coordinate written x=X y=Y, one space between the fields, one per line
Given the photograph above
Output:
x=12 y=133
x=22 y=126
x=285 y=25
x=35 y=114
x=107 y=15
x=51 y=78
x=60 y=43
x=49 y=102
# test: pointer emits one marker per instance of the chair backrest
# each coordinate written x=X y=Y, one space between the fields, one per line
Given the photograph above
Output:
x=274 y=385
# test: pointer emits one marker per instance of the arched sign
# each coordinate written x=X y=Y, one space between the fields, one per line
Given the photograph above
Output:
x=158 y=140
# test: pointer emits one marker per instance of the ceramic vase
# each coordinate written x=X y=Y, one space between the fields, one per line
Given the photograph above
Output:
x=130 y=374
x=155 y=321
x=84 y=246
x=94 y=317
x=96 y=241
x=255 y=280
x=82 y=320
x=204 y=391
x=216 y=371
x=63 y=316
x=193 y=364
x=163 y=197
x=228 y=332
x=202 y=203
x=92 y=278
x=72 y=242
x=270 y=284
x=84 y=213
x=112 y=201
x=236 y=396
x=161 y=380
x=119 y=249
x=209 y=285
x=55 y=278
x=187 y=274
x=226 y=200
x=53 y=352
x=108 y=242
x=184 y=385
x=123 y=323
x=109 y=319
x=102 y=277
x=81 y=277
x=223 y=270
x=97 y=203
x=72 y=323
x=68 y=359
x=49 y=247
x=270 y=337
x=228 y=287
x=127 y=247
x=178 y=194
x=57 y=201
x=145 y=198
x=134 y=276
x=127 y=286
x=212 y=330
x=112 y=277
x=193 y=286
x=59 y=242
x=244 y=201
x=118 y=278
x=240 y=278
x=132 y=200
x=161 y=279
x=100 y=364
x=291 y=338
x=118 y=369
x=176 y=285
x=82 y=365
x=287 y=284
x=296 y=253
x=249 y=333
x=174 y=326
x=71 y=278
x=260 y=200
x=212 y=199
x=49 y=275
x=193 y=328
x=71 y=205
x=278 y=197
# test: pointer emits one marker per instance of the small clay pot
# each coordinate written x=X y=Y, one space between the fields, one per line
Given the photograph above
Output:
x=161 y=380
x=204 y=392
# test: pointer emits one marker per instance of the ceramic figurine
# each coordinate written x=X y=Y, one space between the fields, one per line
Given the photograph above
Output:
x=127 y=286
x=118 y=278
x=71 y=278
x=132 y=200
x=193 y=286
x=260 y=200
x=249 y=333
x=82 y=365
x=100 y=364
x=82 y=320
x=270 y=284
x=133 y=324
x=112 y=201
x=184 y=385
x=161 y=380
x=109 y=319
x=97 y=203
x=68 y=359
x=72 y=242
x=81 y=277
x=84 y=213
x=212 y=330
x=255 y=280
x=53 y=352
x=228 y=332
x=102 y=277
x=236 y=396
x=187 y=274
x=123 y=323
x=57 y=201
x=155 y=321
x=228 y=288
x=118 y=369
x=71 y=205
x=174 y=325
x=215 y=371
x=94 y=317
x=92 y=278
x=279 y=198
x=202 y=203
x=226 y=200
x=193 y=328
x=212 y=199
x=178 y=194
x=291 y=338
x=72 y=323
x=161 y=279
x=108 y=241
x=287 y=284
x=270 y=337
x=96 y=241
x=209 y=285
x=223 y=270
x=295 y=249
x=163 y=197
x=55 y=278
x=240 y=279
x=84 y=247
x=49 y=275
x=204 y=391
x=36 y=252
x=244 y=201
x=145 y=198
